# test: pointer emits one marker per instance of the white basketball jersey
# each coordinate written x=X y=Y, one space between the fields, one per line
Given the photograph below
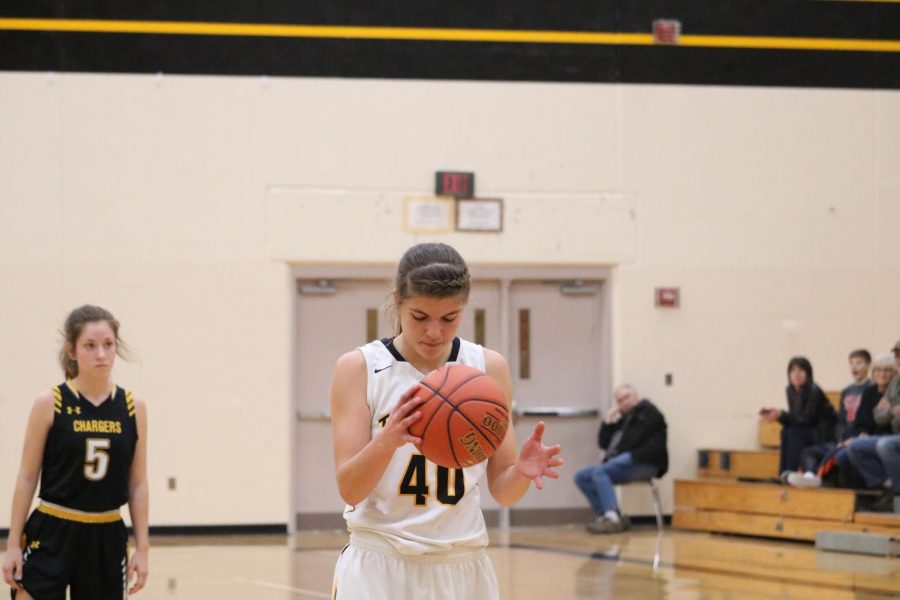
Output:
x=417 y=506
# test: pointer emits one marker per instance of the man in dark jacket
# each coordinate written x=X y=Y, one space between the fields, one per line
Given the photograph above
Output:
x=633 y=435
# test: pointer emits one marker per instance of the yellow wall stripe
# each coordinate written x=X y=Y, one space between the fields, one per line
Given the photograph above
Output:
x=438 y=34
x=790 y=43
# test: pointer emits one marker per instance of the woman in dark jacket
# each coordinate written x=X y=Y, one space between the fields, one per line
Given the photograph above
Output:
x=809 y=420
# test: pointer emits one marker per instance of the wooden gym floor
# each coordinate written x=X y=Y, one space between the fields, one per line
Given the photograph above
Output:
x=538 y=563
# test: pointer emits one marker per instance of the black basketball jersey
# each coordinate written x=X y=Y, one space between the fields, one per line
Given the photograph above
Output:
x=89 y=450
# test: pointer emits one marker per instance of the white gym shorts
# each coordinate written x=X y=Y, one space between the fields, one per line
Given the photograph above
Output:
x=370 y=569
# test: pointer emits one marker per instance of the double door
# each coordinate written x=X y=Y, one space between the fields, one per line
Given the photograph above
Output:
x=553 y=332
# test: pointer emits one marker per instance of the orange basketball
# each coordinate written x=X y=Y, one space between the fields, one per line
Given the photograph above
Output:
x=464 y=416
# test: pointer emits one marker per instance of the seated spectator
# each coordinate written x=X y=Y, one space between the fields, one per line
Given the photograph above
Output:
x=887 y=413
x=876 y=458
x=633 y=435
x=888 y=449
x=809 y=419
x=855 y=419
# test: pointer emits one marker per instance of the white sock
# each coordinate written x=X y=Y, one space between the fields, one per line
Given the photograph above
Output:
x=809 y=474
x=612 y=516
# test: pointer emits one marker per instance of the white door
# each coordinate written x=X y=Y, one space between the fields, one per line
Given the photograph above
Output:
x=559 y=359
x=482 y=325
x=333 y=317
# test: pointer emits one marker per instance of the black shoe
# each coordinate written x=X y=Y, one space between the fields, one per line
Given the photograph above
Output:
x=604 y=525
x=864 y=503
x=884 y=503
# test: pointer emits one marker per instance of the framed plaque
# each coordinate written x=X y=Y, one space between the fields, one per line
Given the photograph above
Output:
x=479 y=214
x=428 y=214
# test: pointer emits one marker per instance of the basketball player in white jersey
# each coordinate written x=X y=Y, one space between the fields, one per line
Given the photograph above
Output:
x=416 y=529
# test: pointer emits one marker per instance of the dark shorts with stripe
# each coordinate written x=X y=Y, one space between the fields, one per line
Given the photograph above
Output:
x=88 y=558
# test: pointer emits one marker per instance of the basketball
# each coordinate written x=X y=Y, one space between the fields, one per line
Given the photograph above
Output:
x=464 y=416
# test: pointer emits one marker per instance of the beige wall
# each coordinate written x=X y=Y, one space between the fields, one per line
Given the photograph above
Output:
x=178 y=202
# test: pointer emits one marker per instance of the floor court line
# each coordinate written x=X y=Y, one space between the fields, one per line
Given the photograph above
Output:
x=282 y=587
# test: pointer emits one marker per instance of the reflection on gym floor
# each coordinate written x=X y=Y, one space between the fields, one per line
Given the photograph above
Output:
x=537 y=563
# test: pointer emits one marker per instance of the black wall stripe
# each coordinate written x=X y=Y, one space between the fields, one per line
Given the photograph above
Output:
x=800 y=18
x=308 y=57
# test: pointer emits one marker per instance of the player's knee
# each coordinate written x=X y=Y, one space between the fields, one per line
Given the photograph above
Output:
x=584 y=476
x=885 y=449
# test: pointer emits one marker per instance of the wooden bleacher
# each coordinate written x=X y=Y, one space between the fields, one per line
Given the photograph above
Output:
x=771 y=510
x=737 y=464
x=723 y=501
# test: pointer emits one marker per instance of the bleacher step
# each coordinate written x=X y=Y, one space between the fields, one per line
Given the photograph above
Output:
x=770 y=499
x=858 y=543
x=716 y=521
x=737 y=464
x=769 y=510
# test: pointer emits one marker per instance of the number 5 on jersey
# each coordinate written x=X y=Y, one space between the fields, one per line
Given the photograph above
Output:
x=96 y=458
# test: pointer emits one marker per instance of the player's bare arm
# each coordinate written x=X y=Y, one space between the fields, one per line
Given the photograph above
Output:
x=39 y=423
x=360 y=459
x=138 y=504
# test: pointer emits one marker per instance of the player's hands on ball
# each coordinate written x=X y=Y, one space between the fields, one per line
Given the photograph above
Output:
x=12 y=566
x=395 y=432
x=536 y=460
x=138 y=568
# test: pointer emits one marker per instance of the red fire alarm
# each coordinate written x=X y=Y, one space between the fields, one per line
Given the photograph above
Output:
x=667 y=297
x=666 y=31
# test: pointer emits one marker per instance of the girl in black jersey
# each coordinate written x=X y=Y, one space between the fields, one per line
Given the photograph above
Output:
x=87 y=441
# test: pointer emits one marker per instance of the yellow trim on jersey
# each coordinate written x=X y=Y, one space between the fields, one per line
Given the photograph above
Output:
x=79 y=516
x=71 y=384
x=57 y=400
x=129 y=402
x=439 y=34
